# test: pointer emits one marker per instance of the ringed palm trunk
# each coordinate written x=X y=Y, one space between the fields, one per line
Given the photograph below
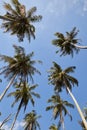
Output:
x=8 y=86
x=78 y=107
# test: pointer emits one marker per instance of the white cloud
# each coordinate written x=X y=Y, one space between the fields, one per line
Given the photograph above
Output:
x=18 y=126
x=58 y=7
x=85 y=5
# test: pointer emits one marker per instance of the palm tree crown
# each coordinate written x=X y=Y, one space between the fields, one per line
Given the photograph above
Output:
x=67 y=43
x=59 y=107
x=61 y=78
x=18 y=21
x=53 y=127
x=23 y=94
x=21 y=65
x=31 y=122
x=19 y=68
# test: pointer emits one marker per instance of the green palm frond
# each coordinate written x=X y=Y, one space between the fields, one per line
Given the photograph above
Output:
x=70 y=69
x=49 y=108
x=31 y=11
x=53 y=127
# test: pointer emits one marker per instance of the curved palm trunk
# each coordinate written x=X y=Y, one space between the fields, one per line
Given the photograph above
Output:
x=78 y=108
x=8 y=86
x=80 y=47
x=5 y=120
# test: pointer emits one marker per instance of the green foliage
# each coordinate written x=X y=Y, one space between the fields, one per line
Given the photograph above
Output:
x=59 y=108
x=67 y=43
x=61 y=78
x=20 y=64
x=18 y=21
x=31 y=122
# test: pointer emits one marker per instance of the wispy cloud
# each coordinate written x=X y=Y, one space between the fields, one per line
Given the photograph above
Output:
x=59 y=7
x=18 y=126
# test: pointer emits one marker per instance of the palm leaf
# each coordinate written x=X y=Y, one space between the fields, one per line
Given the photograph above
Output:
x=70 y=69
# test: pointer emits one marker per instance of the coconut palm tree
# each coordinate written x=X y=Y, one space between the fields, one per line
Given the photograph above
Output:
x=59 y=108
x=19 y=21
x=53 y=127
x=68 y=44
x=61 y=79
x=19 y=68
x=23 y=94
x=31 y=122
x=85 y=115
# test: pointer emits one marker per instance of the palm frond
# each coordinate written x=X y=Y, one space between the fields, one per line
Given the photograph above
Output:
x=31 y=11
x=70 y=69
x=49 y=108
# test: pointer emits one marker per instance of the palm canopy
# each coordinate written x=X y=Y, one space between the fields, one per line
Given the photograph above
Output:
x=31 y=122
x=20 y=65
x=19 y=21
x=59 y=108
x=61 y=78
x=53 y=127
x=67 y=44
x=23 y=94
x=19 y=68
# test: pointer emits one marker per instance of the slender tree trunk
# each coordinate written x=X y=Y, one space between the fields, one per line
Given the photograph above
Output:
x=78 y=108
x=7 y=87
x=62 y=120
x=15 y=119
x=5 y=120
x=80 y=47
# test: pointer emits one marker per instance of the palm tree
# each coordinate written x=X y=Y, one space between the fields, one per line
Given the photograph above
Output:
x=59 y=108
x=19 y=21
x=68 y=44
x=61 y=79
x=31 y=122
x=23 y=94
x=19 y=68
x=85 y=115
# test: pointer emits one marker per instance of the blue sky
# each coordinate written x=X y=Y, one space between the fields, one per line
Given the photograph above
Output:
x=58 y=16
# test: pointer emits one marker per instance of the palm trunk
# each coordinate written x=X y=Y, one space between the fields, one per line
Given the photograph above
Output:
x=5 y=120
x=62 y=120
x=15 y=119
x=78 y=108
x=8 y=86
x=80 y=47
